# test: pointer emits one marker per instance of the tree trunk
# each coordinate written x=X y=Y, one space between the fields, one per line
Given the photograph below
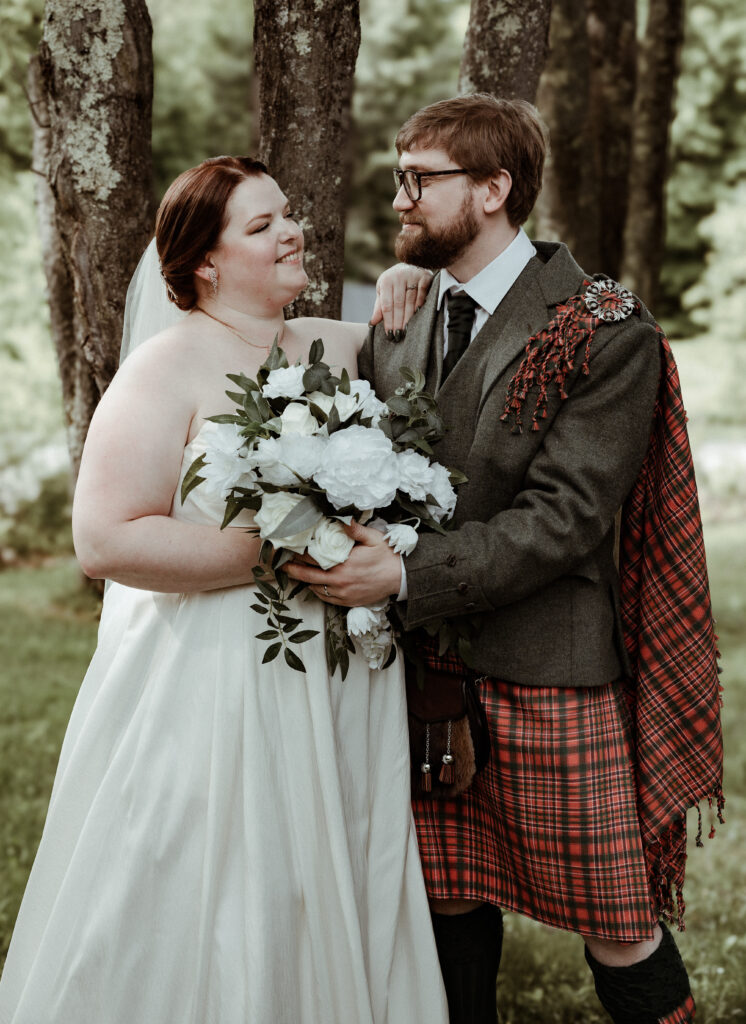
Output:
x=505 y=48
x=305 y=53
x=658 y=67
x=568 y=207
x=613 y=50
x=91 y=90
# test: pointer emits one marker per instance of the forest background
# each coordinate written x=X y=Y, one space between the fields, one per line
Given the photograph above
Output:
x=205 y=102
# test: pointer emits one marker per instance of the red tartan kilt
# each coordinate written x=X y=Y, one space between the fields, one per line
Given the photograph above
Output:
x=549 y=829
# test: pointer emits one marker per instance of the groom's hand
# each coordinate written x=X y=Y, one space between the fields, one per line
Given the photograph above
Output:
x=371 y=573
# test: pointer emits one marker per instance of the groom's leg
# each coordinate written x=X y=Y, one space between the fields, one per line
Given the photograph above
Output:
x=641 y=982
x=469 y=939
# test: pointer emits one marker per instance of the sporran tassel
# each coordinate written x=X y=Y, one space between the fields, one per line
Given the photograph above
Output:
x=426 y=777
x=446 y=775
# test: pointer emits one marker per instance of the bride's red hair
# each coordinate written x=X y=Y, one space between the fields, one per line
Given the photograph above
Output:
x=191 y=217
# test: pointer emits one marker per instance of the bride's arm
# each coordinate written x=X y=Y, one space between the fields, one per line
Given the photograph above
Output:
x=128 y=475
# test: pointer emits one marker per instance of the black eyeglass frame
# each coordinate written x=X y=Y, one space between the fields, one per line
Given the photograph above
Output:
x=400 y=179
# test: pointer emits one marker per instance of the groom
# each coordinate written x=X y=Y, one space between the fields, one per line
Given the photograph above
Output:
x=549 y=384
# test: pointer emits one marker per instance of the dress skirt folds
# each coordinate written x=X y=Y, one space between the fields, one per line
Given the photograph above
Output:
x=228 y=842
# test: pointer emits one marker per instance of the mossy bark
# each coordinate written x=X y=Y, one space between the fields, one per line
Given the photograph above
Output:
x=305 y=53
x=91 y=87
x=505 y=48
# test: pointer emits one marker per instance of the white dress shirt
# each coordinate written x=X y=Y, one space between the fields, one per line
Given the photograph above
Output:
x=488 y=288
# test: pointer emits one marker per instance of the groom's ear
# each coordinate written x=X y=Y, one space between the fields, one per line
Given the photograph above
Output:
x=498 y=190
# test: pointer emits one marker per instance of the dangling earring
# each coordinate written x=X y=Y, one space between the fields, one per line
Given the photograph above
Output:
x=213 y=275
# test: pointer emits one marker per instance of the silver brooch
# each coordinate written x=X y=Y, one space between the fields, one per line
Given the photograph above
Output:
x=608 y=301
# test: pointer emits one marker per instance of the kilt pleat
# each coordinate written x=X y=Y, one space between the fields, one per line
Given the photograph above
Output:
x=550 y=827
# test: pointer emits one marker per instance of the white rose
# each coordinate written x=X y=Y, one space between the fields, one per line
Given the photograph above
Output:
x=359 y=469
x=226 y=465
x=367 y=619
x=330 y=545
x=402 y=538
x=368 y=403
x=297 y=418
x=274 y=509
x=285 y=382
x=375 y=647
x=443 y=492
x=278 y=459
x=416 y=475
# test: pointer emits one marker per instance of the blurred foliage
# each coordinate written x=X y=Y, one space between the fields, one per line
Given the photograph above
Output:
x=409 y=56
x=20 y=30
x=708 y=166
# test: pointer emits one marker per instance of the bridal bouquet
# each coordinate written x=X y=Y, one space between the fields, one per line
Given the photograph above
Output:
x=307 y=451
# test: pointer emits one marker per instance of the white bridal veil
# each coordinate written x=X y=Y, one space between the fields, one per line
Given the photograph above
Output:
x=147 y=309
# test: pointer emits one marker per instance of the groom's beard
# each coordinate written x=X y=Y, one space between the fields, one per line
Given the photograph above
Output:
x=439 y=248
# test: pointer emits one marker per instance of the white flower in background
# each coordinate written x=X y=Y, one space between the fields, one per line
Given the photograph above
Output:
x=375 y=647
x=360 y=468
x=367 y=619
x=416 y=475
x=274 y=509
x=297 y=418
x=285 y=382
x=226 y=465
x=443 y=492
x=367 y=401
x=402 y=538
x=330 y=545
x=278 y=459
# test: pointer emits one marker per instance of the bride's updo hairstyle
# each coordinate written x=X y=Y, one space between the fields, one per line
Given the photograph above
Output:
x=191 y=218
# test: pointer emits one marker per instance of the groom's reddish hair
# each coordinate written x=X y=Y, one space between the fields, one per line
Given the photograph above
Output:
x=191 y=217
x=484 y=135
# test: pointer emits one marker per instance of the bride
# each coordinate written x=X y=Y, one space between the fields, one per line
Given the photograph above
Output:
x=227 y=842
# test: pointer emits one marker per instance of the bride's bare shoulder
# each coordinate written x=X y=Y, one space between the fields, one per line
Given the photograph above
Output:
x=175 y=349
x=334 y=333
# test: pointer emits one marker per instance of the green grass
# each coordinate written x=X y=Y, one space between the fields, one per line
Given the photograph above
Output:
x=47 y=634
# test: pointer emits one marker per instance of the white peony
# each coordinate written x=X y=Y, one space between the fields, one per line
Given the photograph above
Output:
x=324 y=402
x=285 y=382
x=360 y=469
x=274 y=509
x=443 y=492
x=330 y=545
x=375 y=647
x=297 y=418
x=402 y=538
x=416 y=475
x=278 y=459
x=367 y=401
x=227 y=466
x=367 y=619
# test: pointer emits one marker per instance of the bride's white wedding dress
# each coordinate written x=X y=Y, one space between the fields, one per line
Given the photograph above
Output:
x=227 y=842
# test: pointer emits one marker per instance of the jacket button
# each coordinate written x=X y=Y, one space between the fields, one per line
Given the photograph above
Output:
x=451 y=560
x=462 y=588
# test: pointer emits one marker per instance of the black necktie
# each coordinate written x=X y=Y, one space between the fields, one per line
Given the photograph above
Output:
x=461 y=309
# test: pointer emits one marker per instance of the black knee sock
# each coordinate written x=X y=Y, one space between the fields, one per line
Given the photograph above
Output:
x=469 y=948
x=645 y=992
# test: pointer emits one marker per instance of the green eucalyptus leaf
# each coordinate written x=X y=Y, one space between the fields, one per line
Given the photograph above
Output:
x=344 y=382
x=301 y=517
x=192 y=478
x=316 y=353
x=303 y=636
x=294 y=661
x=268 y=634
x=399 y=405
x=224 y=417
x=333 y=422
x=271 y=653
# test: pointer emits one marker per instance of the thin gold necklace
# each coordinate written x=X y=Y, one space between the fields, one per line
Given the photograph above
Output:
x=233 y=330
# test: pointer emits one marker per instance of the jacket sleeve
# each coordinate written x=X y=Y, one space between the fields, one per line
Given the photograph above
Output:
x=365 y=357
x=573 y=487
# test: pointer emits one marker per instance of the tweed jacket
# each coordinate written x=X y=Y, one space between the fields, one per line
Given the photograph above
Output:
x=531 y=552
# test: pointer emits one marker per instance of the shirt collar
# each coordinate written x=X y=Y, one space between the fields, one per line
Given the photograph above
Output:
x=490 y=286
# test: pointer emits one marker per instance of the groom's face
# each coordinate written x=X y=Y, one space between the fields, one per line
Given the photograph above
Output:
x=439 y=226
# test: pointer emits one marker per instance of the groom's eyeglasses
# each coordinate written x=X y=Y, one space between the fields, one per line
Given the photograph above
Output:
x=412 y=180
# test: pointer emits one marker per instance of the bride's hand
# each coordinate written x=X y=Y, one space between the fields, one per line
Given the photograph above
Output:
x=400 y=291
